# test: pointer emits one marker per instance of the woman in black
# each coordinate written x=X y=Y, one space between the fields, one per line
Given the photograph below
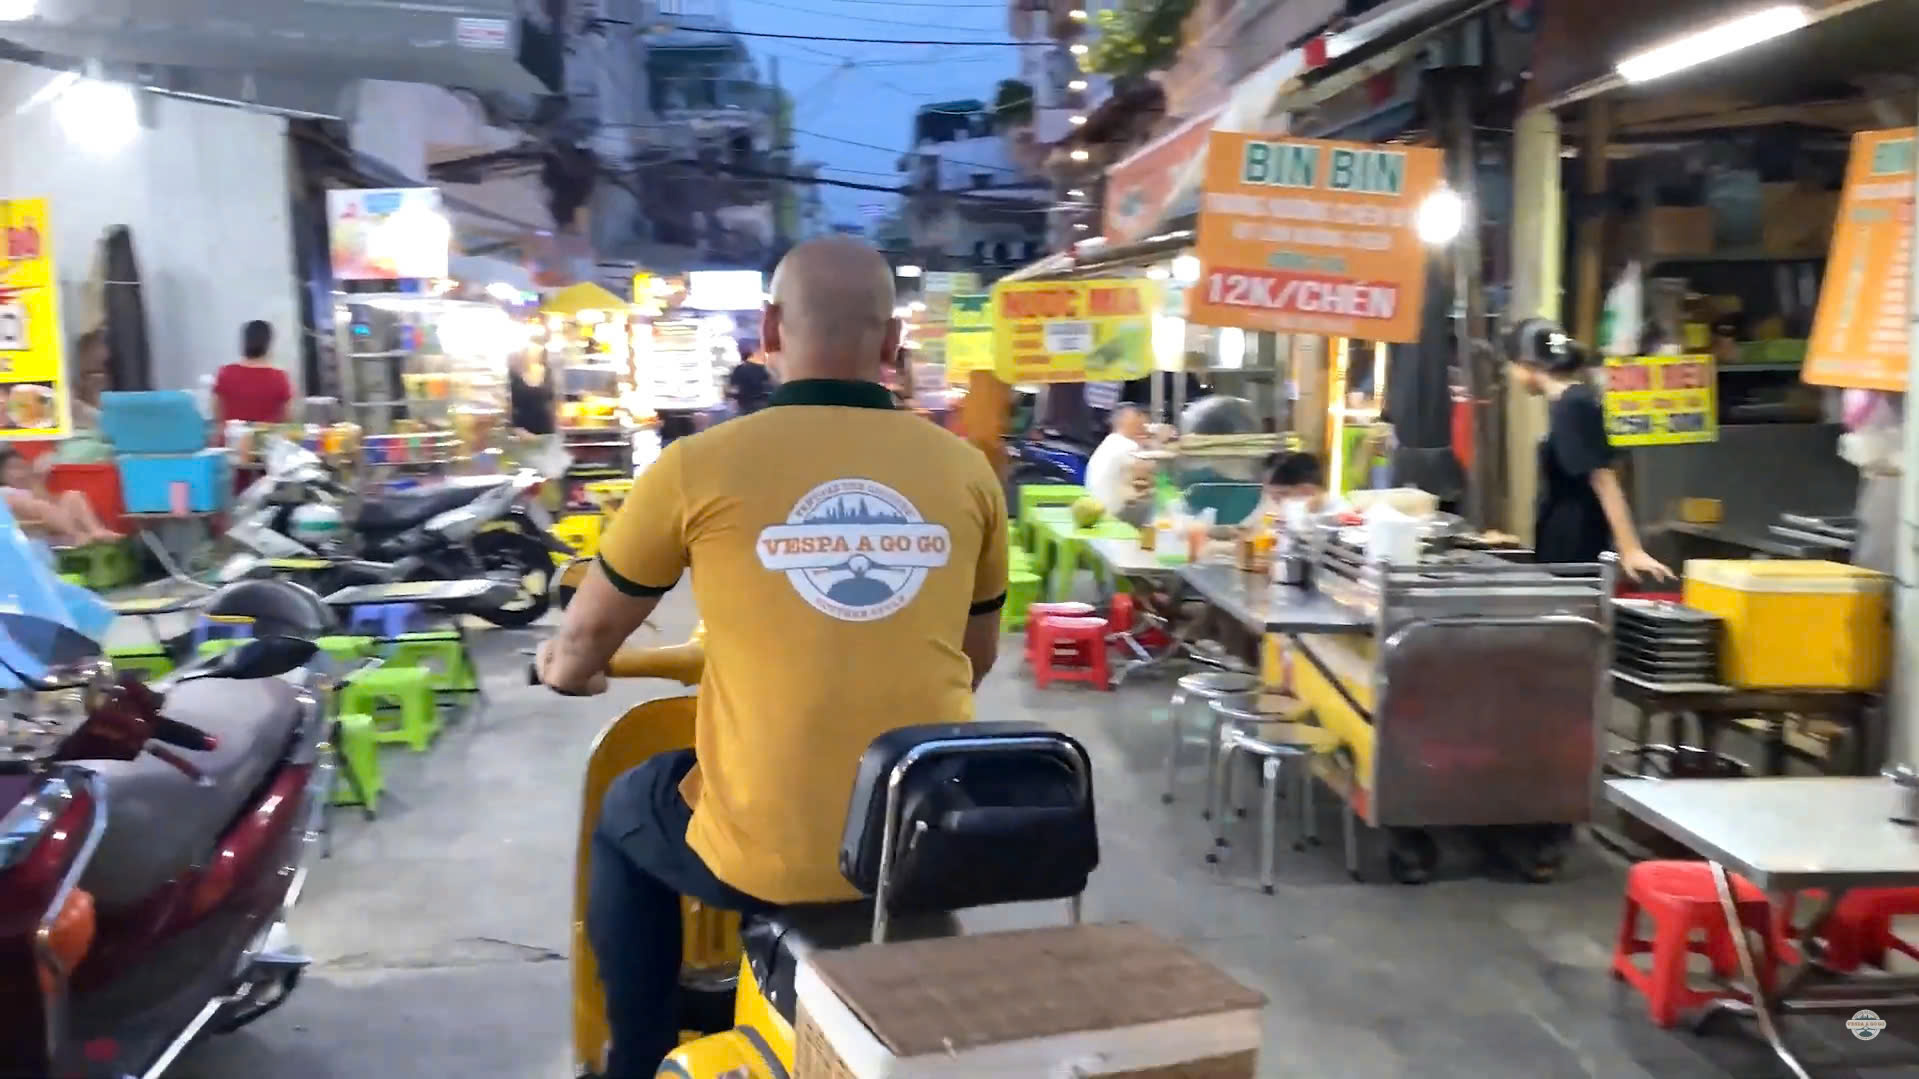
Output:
x=1582 y=509
x=529 y=386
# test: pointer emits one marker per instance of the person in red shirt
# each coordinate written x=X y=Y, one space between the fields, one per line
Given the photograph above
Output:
x=252 y=390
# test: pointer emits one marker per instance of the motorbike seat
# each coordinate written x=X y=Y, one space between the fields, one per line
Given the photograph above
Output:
x=774 y=942
x=159 y=822
x=405 y=509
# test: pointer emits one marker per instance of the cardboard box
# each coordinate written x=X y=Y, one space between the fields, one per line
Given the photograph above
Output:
x=1086 y=1000
x=1797 y=221
x=1679 y=230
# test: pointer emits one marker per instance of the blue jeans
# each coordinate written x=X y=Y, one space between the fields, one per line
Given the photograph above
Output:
x=639 y=868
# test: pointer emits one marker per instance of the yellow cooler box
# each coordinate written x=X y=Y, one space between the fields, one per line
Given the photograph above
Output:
x=1796 y=625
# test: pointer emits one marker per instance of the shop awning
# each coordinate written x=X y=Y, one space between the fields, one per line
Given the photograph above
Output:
x=1578 y=44
x=585 y=296
x=294 y=55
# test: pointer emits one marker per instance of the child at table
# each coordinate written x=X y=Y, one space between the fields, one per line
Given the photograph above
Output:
x=64 y=518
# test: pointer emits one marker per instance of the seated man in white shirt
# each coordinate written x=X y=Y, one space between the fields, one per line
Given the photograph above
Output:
x=1109 y=470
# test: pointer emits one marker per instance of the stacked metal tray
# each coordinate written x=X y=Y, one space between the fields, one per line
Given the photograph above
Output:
x=1665 y=643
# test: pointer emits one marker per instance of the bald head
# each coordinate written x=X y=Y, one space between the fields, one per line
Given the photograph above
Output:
x=831 y=315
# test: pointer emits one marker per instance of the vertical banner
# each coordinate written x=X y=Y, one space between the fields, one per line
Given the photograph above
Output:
x=1859 y=330
x=1661 y=400
x=1073 y=331
x=969 y=335
x=33 y=387
x=1313 y=236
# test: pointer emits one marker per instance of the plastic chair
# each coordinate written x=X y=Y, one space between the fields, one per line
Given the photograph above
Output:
x=386 y=619
x=441 y=653
x=348 y=652
x=1860 y=929
x=1037 y=611
x=1071 y=650
x=360 y=780
x=1022 y=588
x=1680 y=900
x=382 y=691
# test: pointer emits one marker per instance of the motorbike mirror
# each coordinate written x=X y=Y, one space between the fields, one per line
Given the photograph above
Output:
x=263 y=657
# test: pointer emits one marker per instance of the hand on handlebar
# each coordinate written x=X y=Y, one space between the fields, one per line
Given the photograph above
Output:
x=548 y=671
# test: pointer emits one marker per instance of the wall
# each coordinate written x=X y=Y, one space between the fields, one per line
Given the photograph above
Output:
x=204 y=190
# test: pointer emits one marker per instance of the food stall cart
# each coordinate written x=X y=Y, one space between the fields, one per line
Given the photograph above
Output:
x=1465 y=691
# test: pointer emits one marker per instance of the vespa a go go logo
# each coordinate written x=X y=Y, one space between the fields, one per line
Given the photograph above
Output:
x=855 y=549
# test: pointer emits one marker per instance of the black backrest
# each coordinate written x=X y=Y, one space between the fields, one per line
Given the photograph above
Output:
x=981 y=813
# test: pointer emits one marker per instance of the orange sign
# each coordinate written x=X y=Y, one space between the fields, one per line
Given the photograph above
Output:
x=1312 y=236
x=1140 y=190
x=1859 y=333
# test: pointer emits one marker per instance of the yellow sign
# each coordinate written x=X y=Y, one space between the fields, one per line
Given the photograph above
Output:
x=1661 y=400
x=969 y=335
x=1073 y=331
x=32 y=376
x=1312 y=236
x=1859 y=332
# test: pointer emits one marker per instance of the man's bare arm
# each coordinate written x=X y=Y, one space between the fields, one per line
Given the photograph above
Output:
x=981 y=643
x=596 y=624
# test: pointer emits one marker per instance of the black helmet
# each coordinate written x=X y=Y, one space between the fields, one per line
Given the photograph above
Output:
x=1542 y=343
x=278 y=608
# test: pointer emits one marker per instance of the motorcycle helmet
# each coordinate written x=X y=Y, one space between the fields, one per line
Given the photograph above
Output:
x=316 y=524
x=278 y=608
x=1541 y=343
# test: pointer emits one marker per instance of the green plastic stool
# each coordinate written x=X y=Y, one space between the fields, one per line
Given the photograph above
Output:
x=149 y=661
x=101 y=565
x=407 y=690
x=78 y=580
x=347 y=651
x=219 y=645
x=441 y=653
x=360 y=781
x=1022 y=588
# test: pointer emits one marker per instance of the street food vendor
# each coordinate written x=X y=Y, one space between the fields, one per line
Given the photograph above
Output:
x=1582 y=510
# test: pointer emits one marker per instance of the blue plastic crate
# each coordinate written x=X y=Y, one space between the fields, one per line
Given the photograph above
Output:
x=147 y=480
x=153 y=421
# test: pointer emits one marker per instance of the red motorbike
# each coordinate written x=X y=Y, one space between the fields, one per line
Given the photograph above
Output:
x=153 y=839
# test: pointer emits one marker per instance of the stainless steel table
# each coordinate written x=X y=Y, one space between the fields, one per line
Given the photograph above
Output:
x=1786 y=836
x=1264 y=607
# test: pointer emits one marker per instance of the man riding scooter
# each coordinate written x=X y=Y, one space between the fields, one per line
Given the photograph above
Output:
x=850 y=563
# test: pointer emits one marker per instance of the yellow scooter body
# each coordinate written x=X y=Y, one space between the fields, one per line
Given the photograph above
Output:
x=760 y=1045
x=647 y=730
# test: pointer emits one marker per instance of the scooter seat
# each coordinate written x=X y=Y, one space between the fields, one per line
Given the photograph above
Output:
x=775 y=942
x=159 y=822
x=404 y=509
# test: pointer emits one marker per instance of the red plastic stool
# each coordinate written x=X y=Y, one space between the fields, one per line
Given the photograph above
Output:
x=1119 y=616
x=1071 y=650
x=1680 y=899
x=1860 y=930
x=1037 y=613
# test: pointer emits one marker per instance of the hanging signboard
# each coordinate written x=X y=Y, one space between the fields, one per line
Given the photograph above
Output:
x=969 y=335
x=387 y=234
x=1859 y=331
x=1073 y=331
x=33 y=388
x=1313 y=236
x=1660 y=400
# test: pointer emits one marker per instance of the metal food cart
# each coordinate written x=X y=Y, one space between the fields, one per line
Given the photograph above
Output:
x=1467 y=696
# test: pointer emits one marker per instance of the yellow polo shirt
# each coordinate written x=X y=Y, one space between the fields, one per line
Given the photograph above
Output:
x=838 y=546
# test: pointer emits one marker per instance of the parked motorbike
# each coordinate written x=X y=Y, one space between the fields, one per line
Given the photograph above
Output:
x=943 y=817
x=464 y=528
x=1052 y=457
x=153 y=838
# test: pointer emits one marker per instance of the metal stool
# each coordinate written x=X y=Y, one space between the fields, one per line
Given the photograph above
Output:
x=1276 y=742
x=1208 y=686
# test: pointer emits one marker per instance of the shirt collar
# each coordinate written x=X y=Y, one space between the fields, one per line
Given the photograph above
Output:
x=845 y=392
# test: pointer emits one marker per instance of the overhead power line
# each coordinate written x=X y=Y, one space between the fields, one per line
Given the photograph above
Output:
x=726 y=31
x=891 y=150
